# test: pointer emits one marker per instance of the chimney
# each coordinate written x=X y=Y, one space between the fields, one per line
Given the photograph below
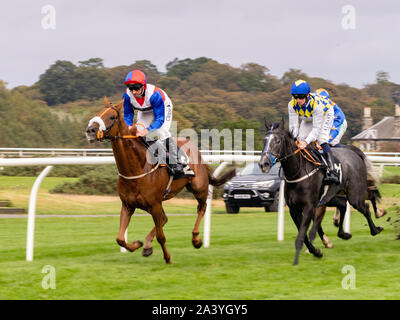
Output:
x=368 y=119
x=396 y=121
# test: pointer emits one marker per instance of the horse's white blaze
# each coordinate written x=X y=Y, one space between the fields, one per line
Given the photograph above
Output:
x=270 y=139
x=102 y=126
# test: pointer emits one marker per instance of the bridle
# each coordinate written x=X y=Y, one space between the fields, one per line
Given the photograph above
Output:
x=103 y=134
x=277 y=158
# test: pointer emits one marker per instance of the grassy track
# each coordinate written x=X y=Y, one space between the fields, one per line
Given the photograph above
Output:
x=244 y=261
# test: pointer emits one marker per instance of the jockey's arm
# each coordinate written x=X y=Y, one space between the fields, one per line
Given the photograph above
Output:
x=339 y=115
x=159 y=111
x=318 y=118
x=293 y=121
x=129 y=113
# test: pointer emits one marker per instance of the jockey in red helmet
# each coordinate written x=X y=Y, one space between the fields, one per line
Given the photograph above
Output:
x=154 y=115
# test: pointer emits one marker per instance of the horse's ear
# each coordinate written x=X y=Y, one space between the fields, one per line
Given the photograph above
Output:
x=106 y=102
x=282 y=123
x=120 y=104
x=267 y=123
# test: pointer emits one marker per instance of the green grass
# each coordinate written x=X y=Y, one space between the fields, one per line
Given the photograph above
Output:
x=389 y=171
x=17 y=189
x=244 y=261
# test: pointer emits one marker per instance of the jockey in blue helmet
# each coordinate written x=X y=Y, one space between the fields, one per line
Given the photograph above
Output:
x=339 y=123
x=316 y=117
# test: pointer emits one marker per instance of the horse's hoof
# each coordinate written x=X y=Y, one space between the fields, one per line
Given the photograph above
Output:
x=134 y=245
x=380 y=213
x=377 y=231
x=318 y=253
x=197 y=244
x=328 y=245
x=336 y=223
x=147 y=252
x=345 y=235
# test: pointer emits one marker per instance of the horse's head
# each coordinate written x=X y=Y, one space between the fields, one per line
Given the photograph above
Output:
x=105 y=123
x=273 y=145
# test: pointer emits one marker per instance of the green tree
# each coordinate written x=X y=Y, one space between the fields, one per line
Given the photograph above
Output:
x=58 y=83
x=183 y=68
x=292 y=75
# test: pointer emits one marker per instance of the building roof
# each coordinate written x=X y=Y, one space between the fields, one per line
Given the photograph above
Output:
x=384 y=129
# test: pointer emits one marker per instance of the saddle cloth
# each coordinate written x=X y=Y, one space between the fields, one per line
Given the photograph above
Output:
x=158 y=152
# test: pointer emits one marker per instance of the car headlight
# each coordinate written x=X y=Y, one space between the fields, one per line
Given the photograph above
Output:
x=264 y=184
x=228 y=184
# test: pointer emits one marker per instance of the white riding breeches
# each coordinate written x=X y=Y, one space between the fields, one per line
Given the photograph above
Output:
x=306 y=127
x=342 y=130
x=146 y=118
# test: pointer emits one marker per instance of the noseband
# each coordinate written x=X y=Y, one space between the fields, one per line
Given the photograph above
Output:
x=103 y=134
x=276 y=157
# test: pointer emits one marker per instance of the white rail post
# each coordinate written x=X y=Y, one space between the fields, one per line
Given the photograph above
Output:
x=32 y=212
x=346 y=222
x=281 y=211
x=207 y=214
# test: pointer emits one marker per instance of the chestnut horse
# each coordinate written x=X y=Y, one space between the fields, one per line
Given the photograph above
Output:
x=145 y=185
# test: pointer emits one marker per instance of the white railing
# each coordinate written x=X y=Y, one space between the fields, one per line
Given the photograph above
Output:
x=49 y=162
x=60 y=152
x=223 y=159
x=378 y=158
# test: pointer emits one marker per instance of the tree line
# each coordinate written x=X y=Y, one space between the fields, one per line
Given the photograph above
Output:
x=205 y=93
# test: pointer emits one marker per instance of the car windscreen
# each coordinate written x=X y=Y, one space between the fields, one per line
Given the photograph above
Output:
x=254 y=168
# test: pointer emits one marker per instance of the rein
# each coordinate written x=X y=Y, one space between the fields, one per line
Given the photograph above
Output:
x=101 y=136
x=303 y=152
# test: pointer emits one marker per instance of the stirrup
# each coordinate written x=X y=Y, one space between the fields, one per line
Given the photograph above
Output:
x=188 y=171
x=331 y=177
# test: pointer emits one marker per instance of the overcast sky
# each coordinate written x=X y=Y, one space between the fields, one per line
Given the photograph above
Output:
x=320 y=37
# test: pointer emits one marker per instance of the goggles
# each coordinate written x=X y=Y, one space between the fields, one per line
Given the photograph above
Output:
x=135 y=86
x=299 y=96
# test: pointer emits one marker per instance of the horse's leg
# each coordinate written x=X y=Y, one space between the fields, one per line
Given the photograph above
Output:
x=363 y=207
x=147 y=248
x=201 y=209
x=341 y=234
x=160 y=219
x=305 y=223
x=125 y=217
x=296 y=216
x=319 y=214
x=321 y=232
x=378 y=212
x=336 y=218
x=373 y=196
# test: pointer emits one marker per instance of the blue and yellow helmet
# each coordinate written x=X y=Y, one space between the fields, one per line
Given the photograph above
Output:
x=300 y=87
x=322 y=92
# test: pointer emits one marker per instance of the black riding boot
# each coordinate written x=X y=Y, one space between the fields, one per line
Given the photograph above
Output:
x=332 y=175
x=174 y=163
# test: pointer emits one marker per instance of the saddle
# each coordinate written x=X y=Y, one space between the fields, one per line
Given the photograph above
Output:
x=316 y=152
x=159 y=153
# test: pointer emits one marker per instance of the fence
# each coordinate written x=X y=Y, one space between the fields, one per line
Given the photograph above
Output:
x=103 y=156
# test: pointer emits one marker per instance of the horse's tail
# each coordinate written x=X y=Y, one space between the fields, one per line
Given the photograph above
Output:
x=216 y=182
x=372 y=176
